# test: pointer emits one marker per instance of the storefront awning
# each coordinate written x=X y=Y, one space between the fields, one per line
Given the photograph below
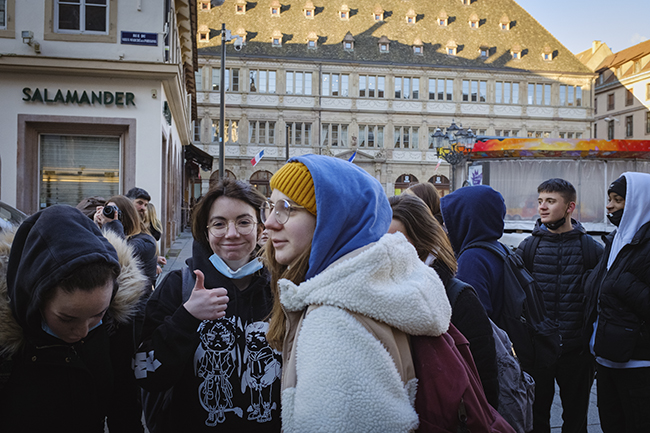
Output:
x=496 y=148
x=200 y=157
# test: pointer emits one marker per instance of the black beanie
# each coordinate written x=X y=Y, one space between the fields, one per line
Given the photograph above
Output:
x=619 y=186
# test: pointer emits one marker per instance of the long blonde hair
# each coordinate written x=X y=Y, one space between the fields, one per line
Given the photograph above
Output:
x=151 y=217
x=295 y=272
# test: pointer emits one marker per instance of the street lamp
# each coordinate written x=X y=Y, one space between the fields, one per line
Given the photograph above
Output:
x=454 y=146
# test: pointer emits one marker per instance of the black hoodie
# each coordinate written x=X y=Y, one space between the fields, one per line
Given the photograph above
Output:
x=64 y=387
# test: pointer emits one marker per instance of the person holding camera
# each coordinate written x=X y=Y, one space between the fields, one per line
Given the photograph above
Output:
x=121 y=216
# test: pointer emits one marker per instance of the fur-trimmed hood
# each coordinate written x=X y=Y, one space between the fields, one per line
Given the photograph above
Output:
x=123 y=306
x=385 y=281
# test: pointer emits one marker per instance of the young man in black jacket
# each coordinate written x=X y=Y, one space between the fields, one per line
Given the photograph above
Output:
x=559 y=254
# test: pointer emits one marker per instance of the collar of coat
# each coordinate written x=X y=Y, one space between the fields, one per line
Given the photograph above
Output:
x=122 y=309
x=385 y=281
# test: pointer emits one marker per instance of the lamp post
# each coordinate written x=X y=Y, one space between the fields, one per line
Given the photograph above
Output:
x=454 y=146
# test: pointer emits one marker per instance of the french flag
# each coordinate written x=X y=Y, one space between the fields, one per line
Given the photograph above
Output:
x=257 y=158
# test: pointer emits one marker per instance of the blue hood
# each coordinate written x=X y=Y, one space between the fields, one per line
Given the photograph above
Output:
x=352 y=209
x=471 y=214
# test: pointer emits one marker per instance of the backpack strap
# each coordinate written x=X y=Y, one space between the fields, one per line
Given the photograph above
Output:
x=501 y=250
x=530 y=249
x=454 y=288
x=589 y=257
x=189 y=279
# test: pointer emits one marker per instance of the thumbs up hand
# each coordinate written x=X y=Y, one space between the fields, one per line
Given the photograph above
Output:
x=206 y=304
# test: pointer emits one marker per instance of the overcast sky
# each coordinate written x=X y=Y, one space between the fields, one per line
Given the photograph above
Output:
x=576 y=23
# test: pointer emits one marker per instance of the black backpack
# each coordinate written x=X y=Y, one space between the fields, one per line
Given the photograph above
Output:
x=535 y=337
x=589 y=255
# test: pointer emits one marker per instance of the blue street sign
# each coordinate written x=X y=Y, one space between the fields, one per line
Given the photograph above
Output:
x=139 y=38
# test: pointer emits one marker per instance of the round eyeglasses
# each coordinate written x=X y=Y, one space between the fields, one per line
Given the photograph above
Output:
x=282 y=210
x=244 y=226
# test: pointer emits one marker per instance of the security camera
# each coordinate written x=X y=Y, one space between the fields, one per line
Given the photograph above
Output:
x=239 y=42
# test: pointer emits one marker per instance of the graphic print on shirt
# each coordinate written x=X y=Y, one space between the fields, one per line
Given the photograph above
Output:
x=219 y=361
x=262 y=370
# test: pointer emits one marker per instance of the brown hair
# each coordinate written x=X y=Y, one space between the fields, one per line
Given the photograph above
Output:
x=425 y=232
x=429 y=195
x=131 y=220
x=231 y=188
x=294 y=272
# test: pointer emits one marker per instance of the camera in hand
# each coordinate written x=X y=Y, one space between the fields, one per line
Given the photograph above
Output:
x=109 y=212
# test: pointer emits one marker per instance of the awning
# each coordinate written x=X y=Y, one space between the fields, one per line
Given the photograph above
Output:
x=202 y=158
x=488 y=148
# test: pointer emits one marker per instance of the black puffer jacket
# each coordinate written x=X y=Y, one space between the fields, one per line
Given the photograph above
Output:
x=624 y=301
x=558 y=268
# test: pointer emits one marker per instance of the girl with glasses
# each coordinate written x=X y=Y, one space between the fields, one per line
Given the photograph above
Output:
x=339 y=282
x=203 y=338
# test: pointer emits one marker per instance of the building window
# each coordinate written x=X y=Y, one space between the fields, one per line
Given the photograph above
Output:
x=298 y=83
x=231 y=79
x=299 y=133
x=516 y=55
x=442 y=22
x=240 y=8
x=484 y=52
x=81 y=16
x=3 y=14
x=334 y=134
x=570 y=95
x=344 y=13
x=539 y=134
x=506 y=132
x=474 y=91
x=504 y=23
x=276 y=39
x=96 y=162
x=595 y=130
x=410 y=17
x=348 y=42
x=407 y=88
x=311 y=44
x=466 y=2
x=595 y=106
x=275 y=11
x=378 y=16
x=262 y=81
x=371 y=136
x=610 y=101
x=629 y=126
x=451 y=51
x=230 y=131
x=473 y=21
x=629 y=97
x=418 y=50
x=371 y=86
x=335 y=84
x=198 y=80
x=610 y=130
x=205 y=5
x=547 y=57
x=506 y=92
x=647 y=91
x=204 y=35
x=260 y=132
x=647 y=122
x=406 y=137
x=441 y=89
x=197 y=130
x=384 y=47
x=539 y=94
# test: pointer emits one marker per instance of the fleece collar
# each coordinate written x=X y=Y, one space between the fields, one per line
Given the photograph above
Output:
x=385 y=281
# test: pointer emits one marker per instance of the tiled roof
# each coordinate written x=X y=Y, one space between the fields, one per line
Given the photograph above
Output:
x=626 y=55
x=524 y=31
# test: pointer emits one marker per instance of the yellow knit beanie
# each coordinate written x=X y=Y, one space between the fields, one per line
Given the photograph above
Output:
x=294 y=181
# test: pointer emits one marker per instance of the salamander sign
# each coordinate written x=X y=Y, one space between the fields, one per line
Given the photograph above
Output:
x=119 y=99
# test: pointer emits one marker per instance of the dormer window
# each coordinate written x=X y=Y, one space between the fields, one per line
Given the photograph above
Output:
x=275 y=8
x=484 y=50
x=379 y=17
x=547 y=54
x=205 y=5
x=344 y=12
x=466 y=2
x=204 y=33
x=348 y=42
x=240 y=7
x=276 y=39
x=410 y=17
x=312 y=38
x=309 y=10
x=504 y=23
x=452 y=48
x=443 y=19
x=516 y=52
x=384 y=44
x=473 y=21
x=418 y=47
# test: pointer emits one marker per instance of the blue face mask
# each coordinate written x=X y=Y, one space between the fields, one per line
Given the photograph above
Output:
x=248 y=269
x=47 y=329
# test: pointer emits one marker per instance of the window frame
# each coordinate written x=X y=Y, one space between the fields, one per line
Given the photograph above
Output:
x=413 y=84
x=294 y=82
x=365 y=132
x=327 y=84
x=629 y=126
x=375 y=80
x=266 y=81
x=9 y=28
x=51 y=34
x=611 y=101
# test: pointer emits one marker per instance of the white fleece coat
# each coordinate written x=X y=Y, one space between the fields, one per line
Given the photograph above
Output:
x=346 y=381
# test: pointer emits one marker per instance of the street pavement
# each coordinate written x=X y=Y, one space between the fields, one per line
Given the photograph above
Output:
x=181 y=249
